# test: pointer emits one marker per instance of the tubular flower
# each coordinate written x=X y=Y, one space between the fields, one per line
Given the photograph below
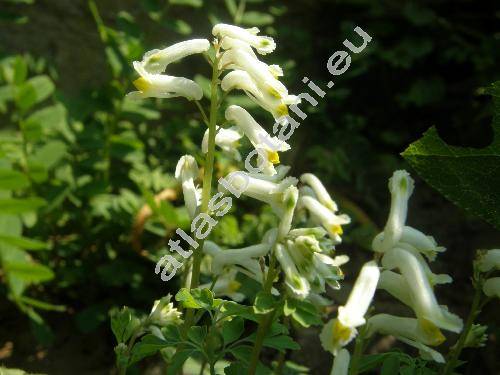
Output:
x=340 y=331
x=295 y=282
x=245 y=259
x=409 y=328
x=163 y=86
x=227 y=285
x=186 y=172
x=157 y=60
x=164 y=313
x=319 y=190
x=276 y=105
x=401 y=188
x=328 y=219
x=262 y=44
x=491 y=287
x=266 y=191
x=341 y=363
x=489 y=260
x=290 y=197
x=423 y=299
x=266 y=146
x=260 y=72
x=226 y=139
x=424 y=351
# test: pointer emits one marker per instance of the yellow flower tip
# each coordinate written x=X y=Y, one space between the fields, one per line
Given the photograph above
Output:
x=154 y=59
x=234 y=286
x=264 y=43
x=431 y=330
x=273 y=157
x=273 y=92
x=336 y=229
x=340 y=333
x=282 y=110
x=141 y=84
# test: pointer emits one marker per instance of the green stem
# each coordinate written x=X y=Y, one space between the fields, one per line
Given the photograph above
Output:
x=265 y=321
x=358 y=351
x=282 y=356
x=457 y=349
x=207 y=181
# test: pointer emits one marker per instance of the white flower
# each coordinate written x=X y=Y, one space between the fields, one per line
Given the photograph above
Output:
x=340 y=331
x=263 y=44
x=296 y=283
x=163 y=86
x=164 y=313
x=157 y=60
x=424 y=301
x=319 y=190
x=266 y=145
x=491 y=287
x=424 y=244
x=328 y=219
x=186 y=172
x=245 y=259
x=489 y=260
x=266 y=191
x=227 y=285
x=276 y=105
x=341 y=363
x=409 y=328
x=401 y=188
x=290 y=197
x=226 y=139
x=259 y=71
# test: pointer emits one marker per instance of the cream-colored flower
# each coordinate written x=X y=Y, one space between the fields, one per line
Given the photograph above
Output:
x=327 y=218
x=401 y=188
x=226 y=139
x=409 y=328
x=163 y=86
x=263 y=44
x=290 y=198
x=227 y=285
x=295 y=282
x=340 y=331
x=266 y=146
x=489 y=260
x=491 y=287
x=424 y=302
x=319 y=190
x=164 y=313
x=157 y=60
x=186 y=172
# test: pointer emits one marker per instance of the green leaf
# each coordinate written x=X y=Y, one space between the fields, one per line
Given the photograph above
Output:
x=178 y=360
x=49 y=154
x=264 y=303
x=33 y=91
x=14 y=206
x=29 y=272
x=148 y=346
x=371 y=361
x=47 y=120
x=12 y=180
x=281 y=343
x=191 y=3
x=123 y=324
x=232 y=330
x=41 y=304
x=196 y=298
x=23 y=242
x=390 y=365
x=253 y=18
x=303 y=312
x=469 y=177
x=197 y=334
x=231 y=308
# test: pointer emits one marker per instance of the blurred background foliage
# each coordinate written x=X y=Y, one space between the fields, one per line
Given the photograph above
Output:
x=79 y=163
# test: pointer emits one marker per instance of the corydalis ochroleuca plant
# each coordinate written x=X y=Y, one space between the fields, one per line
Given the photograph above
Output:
x=299 y=251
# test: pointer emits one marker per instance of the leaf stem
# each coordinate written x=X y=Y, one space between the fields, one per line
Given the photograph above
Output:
x=358 y=351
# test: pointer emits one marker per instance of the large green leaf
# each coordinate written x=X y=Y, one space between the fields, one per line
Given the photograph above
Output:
x=469 y=177
x=14 y=206
x=29 y=272
x=12 y=180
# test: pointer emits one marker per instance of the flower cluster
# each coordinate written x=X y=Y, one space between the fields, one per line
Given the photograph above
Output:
x=488 y=262
x=405 y=249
